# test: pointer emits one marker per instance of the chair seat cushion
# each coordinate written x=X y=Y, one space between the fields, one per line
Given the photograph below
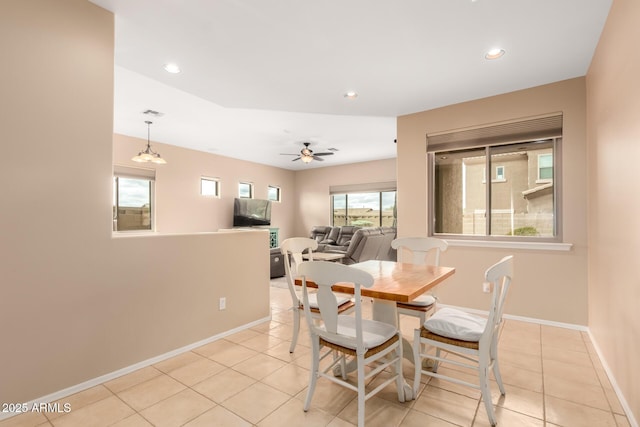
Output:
x=374 y=333
x=422 y=301
x=313 y=300
x=456 y=324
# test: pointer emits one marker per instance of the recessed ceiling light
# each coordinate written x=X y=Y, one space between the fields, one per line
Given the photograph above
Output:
x=494 y=53
x=351 y=94
x=172 y=68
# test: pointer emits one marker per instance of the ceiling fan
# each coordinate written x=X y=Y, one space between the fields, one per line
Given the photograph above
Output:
x=307 y=154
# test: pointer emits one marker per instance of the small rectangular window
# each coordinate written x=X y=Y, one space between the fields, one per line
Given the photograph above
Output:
x=245 y=190
x=545 y=167
x=274 y=193
x=500 y=173
x=210 y=187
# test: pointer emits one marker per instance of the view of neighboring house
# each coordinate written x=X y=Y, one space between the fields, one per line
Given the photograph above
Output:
x=521 y=193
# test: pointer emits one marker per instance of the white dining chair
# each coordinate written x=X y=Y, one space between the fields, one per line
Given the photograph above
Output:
x=370 y=342
x=415 y=250
x=292 y=250
x=473 y=338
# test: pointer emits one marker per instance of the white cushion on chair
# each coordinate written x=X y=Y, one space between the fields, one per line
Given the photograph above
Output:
x=422 y=301
x=456 y=324
x=313 y=300
x=374 y=333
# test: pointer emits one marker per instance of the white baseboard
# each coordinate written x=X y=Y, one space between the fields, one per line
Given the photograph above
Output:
x=127 y=370
x=522 y=318
x=623 y=402
x=632 y=421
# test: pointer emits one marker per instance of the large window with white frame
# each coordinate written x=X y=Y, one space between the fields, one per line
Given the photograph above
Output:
x=519 y=199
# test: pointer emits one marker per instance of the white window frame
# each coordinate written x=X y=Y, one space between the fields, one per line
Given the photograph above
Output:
x=542 y=180
x=240 y=184
x=278 y=193
x=358 y=189
x=498 y=178
x=128 y=172
x=216 y=193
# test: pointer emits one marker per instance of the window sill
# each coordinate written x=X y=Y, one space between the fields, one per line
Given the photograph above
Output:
x=538 y=246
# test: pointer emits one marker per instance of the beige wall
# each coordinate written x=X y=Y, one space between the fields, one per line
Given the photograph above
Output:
x=613 y=99
x=76 y=303
x=312 y=189
x=550 y=285
x=179 y=205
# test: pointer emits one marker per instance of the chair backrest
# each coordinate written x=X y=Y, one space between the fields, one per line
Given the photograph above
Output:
x=499 y=275
x=325 y=275
x=292 y=250
x=419 y=248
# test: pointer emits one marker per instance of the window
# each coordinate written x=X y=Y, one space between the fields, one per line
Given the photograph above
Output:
x=524 y=207
x=133 y=199
x=499 y=176
x=370 y=209
x=545 y=167
x=273 y=193
x=210 y=187
x=245 y=190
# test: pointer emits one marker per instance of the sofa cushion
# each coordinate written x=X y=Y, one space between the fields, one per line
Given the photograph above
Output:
x=346 y=234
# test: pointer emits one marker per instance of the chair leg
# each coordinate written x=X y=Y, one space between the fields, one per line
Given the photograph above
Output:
x=361 y=390
x=486 y=394
x=496 y=367
x=400 y=376
x=436 y=362
x=343 y=367
x=296 y=329
x=417 y=362
x=315 y=365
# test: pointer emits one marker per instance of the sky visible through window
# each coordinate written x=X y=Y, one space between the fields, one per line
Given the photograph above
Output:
x=366 y=200
x=133 y=192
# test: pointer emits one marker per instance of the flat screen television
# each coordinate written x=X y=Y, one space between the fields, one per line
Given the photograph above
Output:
x=251 y=212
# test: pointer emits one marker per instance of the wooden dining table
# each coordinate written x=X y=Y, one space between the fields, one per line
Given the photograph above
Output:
x=394 y=282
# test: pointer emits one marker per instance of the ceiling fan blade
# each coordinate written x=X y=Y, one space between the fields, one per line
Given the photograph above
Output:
x=323 y=154
x=320 y=159
x=297 y=158
x=289 y=154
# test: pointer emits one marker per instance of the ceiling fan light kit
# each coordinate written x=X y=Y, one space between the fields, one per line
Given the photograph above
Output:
x=307 y=154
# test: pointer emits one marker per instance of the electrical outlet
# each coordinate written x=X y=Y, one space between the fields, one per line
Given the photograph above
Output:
x=486 y=287
x=222 y=304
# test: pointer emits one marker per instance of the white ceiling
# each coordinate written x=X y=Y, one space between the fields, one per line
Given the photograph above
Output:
x=261 y=77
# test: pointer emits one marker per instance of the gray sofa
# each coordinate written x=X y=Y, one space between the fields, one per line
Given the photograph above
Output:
x=333 y=238
x=357 y=243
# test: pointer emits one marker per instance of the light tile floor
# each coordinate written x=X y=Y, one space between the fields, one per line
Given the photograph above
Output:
x=552 y=377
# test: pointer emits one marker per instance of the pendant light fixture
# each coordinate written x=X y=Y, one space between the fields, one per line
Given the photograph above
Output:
x=148 y=155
